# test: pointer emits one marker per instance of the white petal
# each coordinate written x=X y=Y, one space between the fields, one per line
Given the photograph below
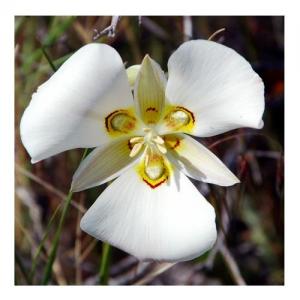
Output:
x=196 y=161
x=68 y=111
x=172 y=222
x=217 y=84
x=102 y=165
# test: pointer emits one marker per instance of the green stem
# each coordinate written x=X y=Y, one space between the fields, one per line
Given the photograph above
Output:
x=104 y=264
x=55 y=243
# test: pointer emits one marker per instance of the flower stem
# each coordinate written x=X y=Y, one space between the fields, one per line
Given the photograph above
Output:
x=55 y=243
x=104 y=264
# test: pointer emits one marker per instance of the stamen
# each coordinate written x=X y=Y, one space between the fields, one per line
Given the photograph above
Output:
x=146 y=159
x=158 y=140
x=136 y=149
x=161 y=148
x=153 y=144
x=136 y=139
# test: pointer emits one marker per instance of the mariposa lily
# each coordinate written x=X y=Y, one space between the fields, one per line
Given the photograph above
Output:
x=152 y=210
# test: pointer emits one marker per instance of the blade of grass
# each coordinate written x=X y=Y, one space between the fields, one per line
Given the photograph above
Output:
x=30 y=57
x=58 y=28
x=44 y=67
x=53 y=251
x=53 y=67
x=42 y=243
x=104 y=264
x=104 y=261
x=49 y=266
x=78 y=247
x=58 y=62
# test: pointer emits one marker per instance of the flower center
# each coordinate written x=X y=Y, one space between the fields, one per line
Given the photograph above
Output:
x=153 y=168
x=151 y=142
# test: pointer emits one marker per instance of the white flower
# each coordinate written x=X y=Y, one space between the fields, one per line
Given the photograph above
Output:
x=151 y=210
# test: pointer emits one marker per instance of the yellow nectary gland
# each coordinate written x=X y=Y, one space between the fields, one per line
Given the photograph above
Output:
x=155 y=167
x=120 y=122
x=154 y=170
x=179 y=118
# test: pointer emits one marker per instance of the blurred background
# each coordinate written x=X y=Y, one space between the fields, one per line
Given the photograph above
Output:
x=250 y=216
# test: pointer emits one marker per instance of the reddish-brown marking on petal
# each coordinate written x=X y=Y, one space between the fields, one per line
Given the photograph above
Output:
x=129 y=145
x=107 y=118
x=151 y=109
x=183 y=108
x=172 y=141
x=177 y=144
x=175 y=121
x=157 y=184
x=128 y=124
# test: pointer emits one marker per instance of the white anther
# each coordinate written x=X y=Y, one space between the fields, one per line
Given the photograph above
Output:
x=161 y=148
x=147 y=155
x=146 y=159
x=136 y=149
x=152 y=142
x=158 y=140
x=136 y=139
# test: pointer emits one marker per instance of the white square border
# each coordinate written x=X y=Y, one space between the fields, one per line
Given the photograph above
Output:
x=153 y=7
